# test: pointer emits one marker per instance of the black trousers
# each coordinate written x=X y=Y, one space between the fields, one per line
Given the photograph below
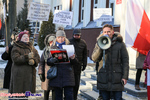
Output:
x=138 y=76
x=77 y=84
x=46 y=94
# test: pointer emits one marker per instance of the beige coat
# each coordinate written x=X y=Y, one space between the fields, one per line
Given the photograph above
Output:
x=42 y=69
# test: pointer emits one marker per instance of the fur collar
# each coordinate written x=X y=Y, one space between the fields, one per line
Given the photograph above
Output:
x=23 y=45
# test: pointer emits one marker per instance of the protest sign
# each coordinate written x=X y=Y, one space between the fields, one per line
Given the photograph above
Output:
x=102 y=14
x=62 y=17
x=38 y=11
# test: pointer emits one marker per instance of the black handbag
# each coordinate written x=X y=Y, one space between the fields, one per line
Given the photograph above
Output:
x=52 y=72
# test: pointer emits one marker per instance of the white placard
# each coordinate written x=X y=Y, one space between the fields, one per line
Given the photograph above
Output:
x=70 y=49
x=4 y=11
x=38 y=11
x=102 y=14
x=62 y=17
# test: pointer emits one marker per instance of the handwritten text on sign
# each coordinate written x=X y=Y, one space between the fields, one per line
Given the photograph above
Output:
x=38 y=11
x=102 y=14
x=62 y=17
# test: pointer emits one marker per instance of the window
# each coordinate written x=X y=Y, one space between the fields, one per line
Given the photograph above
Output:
x=72 y=5
x=34 y=24
x=60 y=7
x=54 y=8
x=82 y=10
x=112 y=7
x=95 y=4
x=82 y=3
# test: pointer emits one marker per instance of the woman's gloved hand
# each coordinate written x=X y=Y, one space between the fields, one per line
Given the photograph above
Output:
x=30 y=55
x=51 y=61
x=31 y=62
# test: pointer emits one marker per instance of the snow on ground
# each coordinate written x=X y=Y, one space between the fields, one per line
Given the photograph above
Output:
x=3 y=63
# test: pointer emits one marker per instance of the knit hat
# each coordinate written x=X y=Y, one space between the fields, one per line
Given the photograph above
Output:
x=21 y=34
x=60 y=32
x=77 y=31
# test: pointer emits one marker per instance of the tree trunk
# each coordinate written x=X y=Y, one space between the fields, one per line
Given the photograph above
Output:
x=12 y=17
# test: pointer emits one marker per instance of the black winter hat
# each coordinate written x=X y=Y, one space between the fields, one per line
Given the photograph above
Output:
x=77 y=31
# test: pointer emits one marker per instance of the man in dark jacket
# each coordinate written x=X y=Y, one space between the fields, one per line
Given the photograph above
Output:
x=81 y=53
x=113 y=76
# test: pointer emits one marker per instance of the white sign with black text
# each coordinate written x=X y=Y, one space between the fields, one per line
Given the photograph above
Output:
x=38 y=11
x=102 y=14
x=63 y=17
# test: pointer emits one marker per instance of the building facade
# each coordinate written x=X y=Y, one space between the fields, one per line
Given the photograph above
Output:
x=83 y=18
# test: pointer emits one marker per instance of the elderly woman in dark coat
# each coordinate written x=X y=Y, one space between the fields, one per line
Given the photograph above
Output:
x=65 y=74
x=25 y=58
x=43 y=67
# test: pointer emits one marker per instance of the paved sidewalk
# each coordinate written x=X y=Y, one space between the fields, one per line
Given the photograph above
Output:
x=38 y=89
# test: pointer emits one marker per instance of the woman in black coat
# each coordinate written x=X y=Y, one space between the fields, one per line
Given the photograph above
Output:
x=7 y=56
x=7 y=71
x=65 y=74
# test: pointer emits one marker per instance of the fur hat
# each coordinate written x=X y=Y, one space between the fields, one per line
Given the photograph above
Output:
x=60 y=32
x=48 y=38
x=21 y=34
x=77 y=31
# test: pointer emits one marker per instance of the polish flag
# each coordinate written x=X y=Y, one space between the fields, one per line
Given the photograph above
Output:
x=137 y=29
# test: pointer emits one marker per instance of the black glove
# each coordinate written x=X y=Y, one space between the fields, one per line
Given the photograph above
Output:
x=42 y=77
x=51 y=61
x=83 y=67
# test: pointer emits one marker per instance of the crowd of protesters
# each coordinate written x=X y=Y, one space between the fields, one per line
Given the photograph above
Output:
x=23 y=58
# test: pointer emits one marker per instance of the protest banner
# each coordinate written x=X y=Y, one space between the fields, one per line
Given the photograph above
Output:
x=102 y=14
x=38 y=12
x=63 y=17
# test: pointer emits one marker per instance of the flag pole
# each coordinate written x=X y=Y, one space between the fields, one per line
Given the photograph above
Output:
x=6 y=32
x=35 y=31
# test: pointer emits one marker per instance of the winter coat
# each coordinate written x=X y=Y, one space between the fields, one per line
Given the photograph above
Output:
x=140 y=60
x=116 y=65
x=65 y=73
x=43 y=67
x=146 y=63
x=23 y=75
x=7 y=70
x=81 y=53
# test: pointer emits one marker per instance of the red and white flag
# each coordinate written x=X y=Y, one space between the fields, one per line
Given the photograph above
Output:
x=137 y=30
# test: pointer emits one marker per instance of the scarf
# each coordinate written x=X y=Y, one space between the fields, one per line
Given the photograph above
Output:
x=59 y=45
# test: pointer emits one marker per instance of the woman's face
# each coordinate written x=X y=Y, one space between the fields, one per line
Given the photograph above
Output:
x=60 y=39
x=25 y=38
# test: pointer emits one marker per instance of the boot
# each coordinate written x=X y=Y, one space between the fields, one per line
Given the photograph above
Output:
x=137 y=87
